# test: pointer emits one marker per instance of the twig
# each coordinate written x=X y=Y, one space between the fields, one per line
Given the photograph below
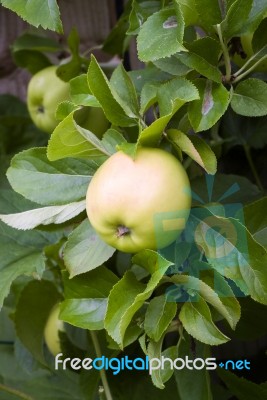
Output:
x=102 y=372
x=227 y=60
x=15 y=392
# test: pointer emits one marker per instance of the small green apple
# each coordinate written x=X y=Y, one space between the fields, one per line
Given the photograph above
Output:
x=140 y=203
x=45 y=92
x=52 y=328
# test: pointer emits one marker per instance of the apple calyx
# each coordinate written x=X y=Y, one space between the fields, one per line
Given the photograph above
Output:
x=41 y=109
x=122 y=231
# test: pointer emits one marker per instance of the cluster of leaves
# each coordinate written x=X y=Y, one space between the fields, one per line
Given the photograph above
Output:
x=192 y=99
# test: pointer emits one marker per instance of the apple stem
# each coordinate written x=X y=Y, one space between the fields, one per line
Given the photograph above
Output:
x=122 y=231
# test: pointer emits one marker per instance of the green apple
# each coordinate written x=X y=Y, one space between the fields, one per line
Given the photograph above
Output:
x=45 y=92
x=52 y=328
x=93 y=119
x=140 y=203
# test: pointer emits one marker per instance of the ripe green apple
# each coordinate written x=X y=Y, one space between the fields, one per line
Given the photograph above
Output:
x=45 y=92
x=52 y=328
x=140 y=203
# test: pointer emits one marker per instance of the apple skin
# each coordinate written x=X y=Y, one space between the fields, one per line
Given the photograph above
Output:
x=51 y=332
x=45 y=92
x=139 y=204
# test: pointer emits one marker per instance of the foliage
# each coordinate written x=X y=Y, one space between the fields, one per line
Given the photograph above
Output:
x=190 y=98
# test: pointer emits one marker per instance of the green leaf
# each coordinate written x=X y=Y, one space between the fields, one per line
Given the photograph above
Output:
x=7 y=327
x=21 y=254
x=60 y=182
x=256 y=220
x=93 y=284
x=175 y=93
x=236 y=16
x=84 y=313
x=117 y=41
x=139 y=13
x=230 y=307
x=161 y=35
x=38 y=384
x=71 y=140
x=74 y=42
x=80 y=93
x=34 y=305
x=124 y=91
x=112 y=140
x=128 y=295
x=258 y=40
x=196 y=148
x=250 y=98
x=29 y=41
x=257 y=13
x=170 y=96
x=147 y=74
x=224 y=189
x=200 y=390
x=43 y=216
x=172 y=65
x=241 y=387
x=189 y=11
x=84 y=250
x=207 y=48
x=33 y=61
x=69 y=70
x=167 y=372
x=158 y=316
x=102 y=90
x=44 y=13
x=213 y=102
x=11 y=201
x=154 y=350
x=151 y=261
x=209 y=13
x=196 y=319
x=148 y=95
x=64 y=109
x=233 y=252
x=161 y=376
x=198 y=63
x=239 y=130
x=76 y=64
x=203 y=57
x=122 y=300
x=223 y=299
